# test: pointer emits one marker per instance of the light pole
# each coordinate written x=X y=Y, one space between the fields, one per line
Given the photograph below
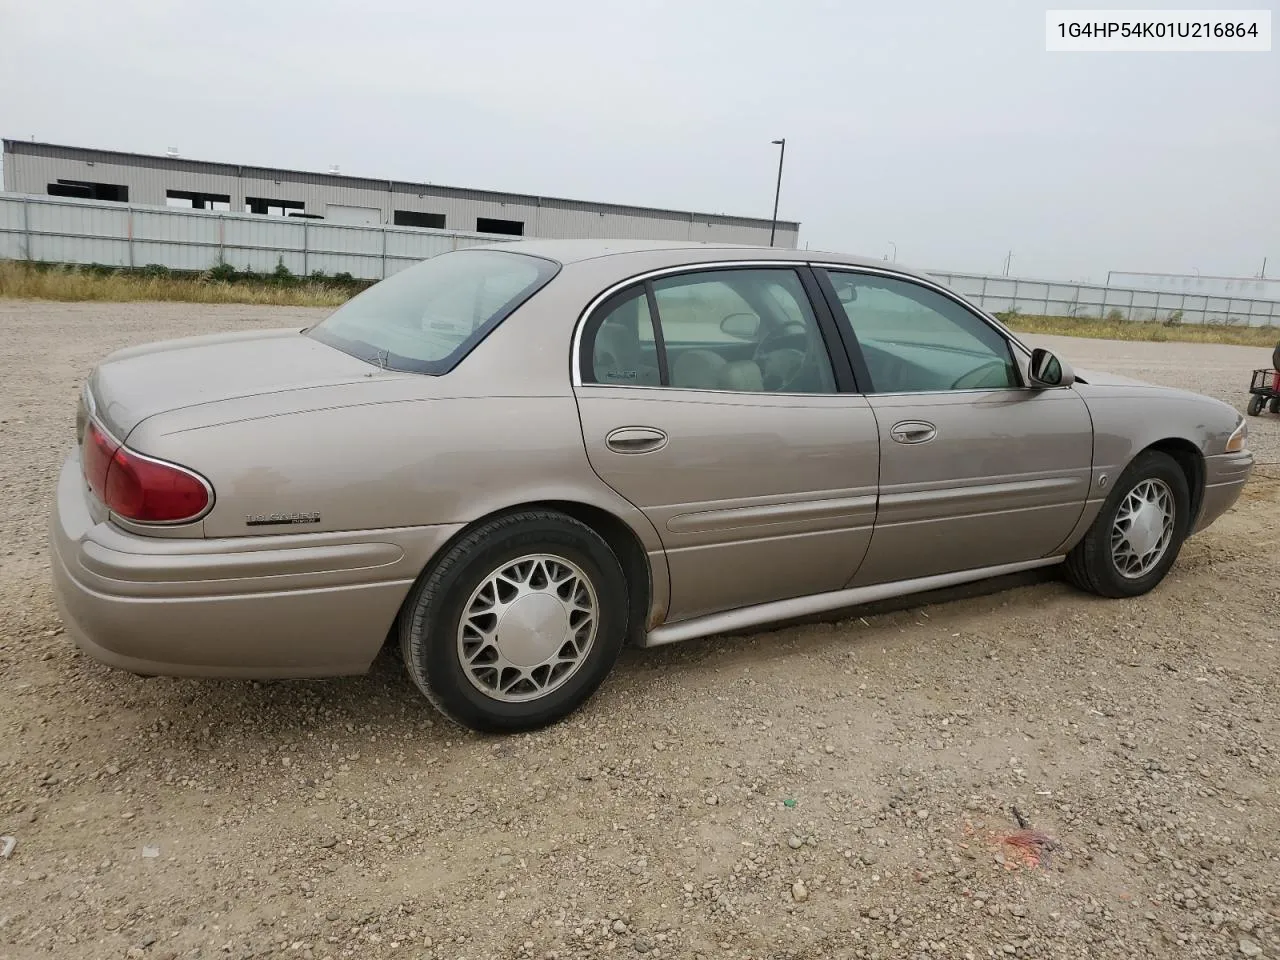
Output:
x=777 y=194
x=895 y=251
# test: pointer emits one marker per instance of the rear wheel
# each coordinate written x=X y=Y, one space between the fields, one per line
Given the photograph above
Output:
x=1138 y=532
x=1255 y=404
x=517 y=624
x=1274 y=406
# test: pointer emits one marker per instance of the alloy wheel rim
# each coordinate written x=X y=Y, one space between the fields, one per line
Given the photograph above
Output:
x=1143 y=529
x=528 y=628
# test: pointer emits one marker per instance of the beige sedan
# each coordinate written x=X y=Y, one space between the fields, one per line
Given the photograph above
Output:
x=514 y=459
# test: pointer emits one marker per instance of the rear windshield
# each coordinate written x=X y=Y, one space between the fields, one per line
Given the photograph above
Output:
x=426 y=318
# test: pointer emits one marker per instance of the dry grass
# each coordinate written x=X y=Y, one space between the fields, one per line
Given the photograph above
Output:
x=1158 y=332
x=20 y=281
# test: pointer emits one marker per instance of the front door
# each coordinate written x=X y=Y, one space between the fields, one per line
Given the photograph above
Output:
x=976 y=470
x=709 y=399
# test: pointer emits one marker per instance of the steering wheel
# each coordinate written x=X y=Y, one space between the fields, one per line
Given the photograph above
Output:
x=784 y=355
x=990 y=374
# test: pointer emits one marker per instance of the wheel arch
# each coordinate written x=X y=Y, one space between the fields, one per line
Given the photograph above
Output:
x=621 y=538
x=1190 y=459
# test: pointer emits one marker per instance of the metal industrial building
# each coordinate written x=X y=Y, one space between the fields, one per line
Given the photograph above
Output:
x=134 y=178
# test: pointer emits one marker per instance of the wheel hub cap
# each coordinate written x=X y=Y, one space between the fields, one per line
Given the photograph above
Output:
x=1146 y=529
x=532 y=629
x=1143 y=528
x=527 y=628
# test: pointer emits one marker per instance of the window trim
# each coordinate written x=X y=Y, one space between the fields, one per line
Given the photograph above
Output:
x=854 y=347
x=836 y=350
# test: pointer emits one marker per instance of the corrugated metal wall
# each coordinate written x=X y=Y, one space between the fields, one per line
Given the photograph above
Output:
x=30 y=168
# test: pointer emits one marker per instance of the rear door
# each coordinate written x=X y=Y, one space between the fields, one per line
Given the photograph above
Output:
x=709 y=398
x=976 y=470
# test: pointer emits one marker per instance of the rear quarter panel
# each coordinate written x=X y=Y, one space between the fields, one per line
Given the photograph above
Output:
x=392 y=464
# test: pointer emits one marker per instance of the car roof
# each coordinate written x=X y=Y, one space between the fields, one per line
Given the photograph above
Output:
x=575 y=251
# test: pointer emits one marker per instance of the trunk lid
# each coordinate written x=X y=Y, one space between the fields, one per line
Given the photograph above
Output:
x=131 y=385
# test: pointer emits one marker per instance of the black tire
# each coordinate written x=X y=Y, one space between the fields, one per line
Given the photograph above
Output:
x=1274 y=405
x=1255 y=404
x=1090 y=564
x=431 y=617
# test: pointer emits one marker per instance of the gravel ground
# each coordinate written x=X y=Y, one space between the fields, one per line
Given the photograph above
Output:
x=821 y=791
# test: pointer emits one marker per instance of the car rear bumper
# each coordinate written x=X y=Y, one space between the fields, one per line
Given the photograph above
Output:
x=308 y=605
x=1225 y=477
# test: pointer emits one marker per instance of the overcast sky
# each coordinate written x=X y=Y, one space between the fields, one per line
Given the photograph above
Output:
x=941 y=126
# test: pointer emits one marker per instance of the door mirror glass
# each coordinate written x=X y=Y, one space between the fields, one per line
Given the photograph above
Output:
x=1046 y=370
x=744 y=326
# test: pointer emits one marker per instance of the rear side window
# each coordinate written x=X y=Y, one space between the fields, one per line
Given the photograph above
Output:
x=742 y=330
x=426 y=318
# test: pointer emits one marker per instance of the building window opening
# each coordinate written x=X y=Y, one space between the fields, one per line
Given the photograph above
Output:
x=272 y=208
x=412 y=218
x=194 y=200
x=513 y=228
x=87 y=190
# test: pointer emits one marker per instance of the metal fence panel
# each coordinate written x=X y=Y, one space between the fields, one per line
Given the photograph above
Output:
x=53 y=248
x=1001 y=287
x=195 y=227
x=174 y=256
x=11 y=216
x=69 y=230
x=324 y=238
x=1083 y=300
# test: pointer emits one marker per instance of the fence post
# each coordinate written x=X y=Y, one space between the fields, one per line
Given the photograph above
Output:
x=130 y=237
x=306 y=246
x=384 y=253
x=1131 y=299
x=1102 y=307
x=26 y=225
x=222 y=239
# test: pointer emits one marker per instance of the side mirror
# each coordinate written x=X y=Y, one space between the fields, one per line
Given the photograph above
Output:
x=743 y=326
x=1046 y=370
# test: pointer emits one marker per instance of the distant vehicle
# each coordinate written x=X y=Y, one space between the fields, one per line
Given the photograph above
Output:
x=513 y=459
x=1264 y=387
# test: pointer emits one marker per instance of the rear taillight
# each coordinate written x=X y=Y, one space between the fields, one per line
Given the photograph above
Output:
x=96 y=451
x=140 y=488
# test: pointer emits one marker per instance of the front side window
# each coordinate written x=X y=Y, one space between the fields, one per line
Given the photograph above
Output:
x=743 y=330
x=426 y=318
x=915 y=340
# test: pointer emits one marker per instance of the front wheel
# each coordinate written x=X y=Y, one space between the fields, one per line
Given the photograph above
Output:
x=1256 y=402
x=517 y=624
x=1138 y=532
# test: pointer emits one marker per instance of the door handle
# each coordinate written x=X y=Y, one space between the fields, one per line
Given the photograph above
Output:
x=913 y=431
x=635 y=440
